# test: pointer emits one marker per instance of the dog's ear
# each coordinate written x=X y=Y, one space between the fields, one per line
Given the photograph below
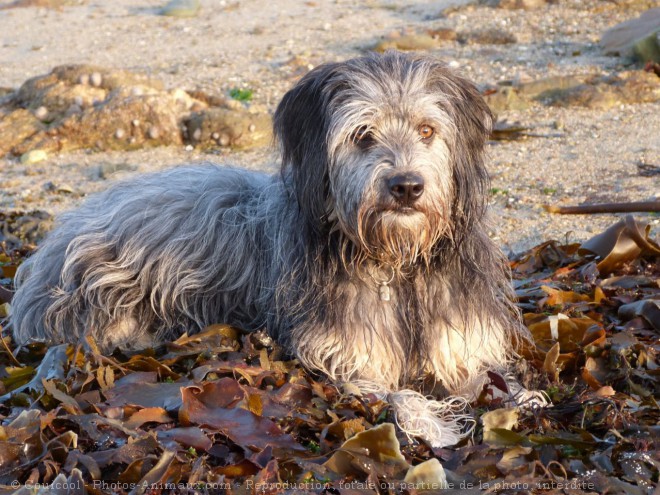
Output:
x=473 y=122
x=301 y=125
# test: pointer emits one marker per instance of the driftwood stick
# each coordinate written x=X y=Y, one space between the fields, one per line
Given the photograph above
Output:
x=641 y=206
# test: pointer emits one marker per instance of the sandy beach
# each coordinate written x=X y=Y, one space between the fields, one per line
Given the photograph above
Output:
x=574 y=153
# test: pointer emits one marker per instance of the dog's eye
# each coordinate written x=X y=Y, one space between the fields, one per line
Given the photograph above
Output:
x=426 y=132
x=363 y=135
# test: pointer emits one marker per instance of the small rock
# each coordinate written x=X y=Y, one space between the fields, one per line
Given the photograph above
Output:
x=225 y=127
x=445 y=34
x=18 y=228
x=211 y=100
x=515 y=4
x=41 y=113
x=153 y=132
x=96 y=79
x=120 y=133
x=607 y=92
x=106 y=169
x=181 y=8
x=64 y=189
x=72 y=110
x=422 y=41
x=33 y=156
x=58 y=188
x=492 y=36
x=545 y=87
x=181 y=97
x=635 y=38
x=233 y=104
x=505 y=98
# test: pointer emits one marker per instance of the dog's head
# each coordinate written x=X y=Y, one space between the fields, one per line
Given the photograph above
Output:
x=388 y=149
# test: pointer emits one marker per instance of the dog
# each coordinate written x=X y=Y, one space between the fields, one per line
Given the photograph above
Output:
x=366 y=256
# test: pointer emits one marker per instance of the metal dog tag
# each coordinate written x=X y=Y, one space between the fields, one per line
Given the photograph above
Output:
x=384 y=291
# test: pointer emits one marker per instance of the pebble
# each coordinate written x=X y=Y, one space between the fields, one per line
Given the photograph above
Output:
x=41 y=113
x=443 y=33
x=33 y=156
x=233 y=104
x=490 y=36
x=73 y=109
x=520 y=4
x=106 y=169
x=181 y=8
x=96 y=79
x=182 y=98
x=420 y=41
x=120 y=133
x=153 y=133
x=638 y=38
x=58 y=188
x=224 y=140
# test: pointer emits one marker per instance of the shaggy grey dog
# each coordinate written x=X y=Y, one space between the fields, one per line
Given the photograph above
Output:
x=366 y=257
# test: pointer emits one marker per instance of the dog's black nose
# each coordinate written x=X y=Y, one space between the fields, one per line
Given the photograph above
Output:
x=406 y=188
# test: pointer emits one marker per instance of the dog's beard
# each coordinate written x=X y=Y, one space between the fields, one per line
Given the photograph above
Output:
x=401 y=238
x=380 y=229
